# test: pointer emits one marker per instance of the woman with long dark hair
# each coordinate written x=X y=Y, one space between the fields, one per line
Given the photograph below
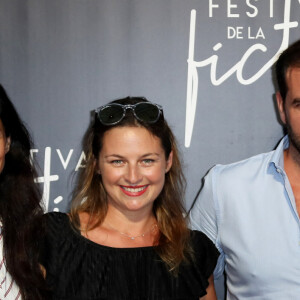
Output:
x=126 y=237
x=20 y=210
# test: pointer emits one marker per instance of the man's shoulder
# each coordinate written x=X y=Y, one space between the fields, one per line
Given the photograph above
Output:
x=253 y=164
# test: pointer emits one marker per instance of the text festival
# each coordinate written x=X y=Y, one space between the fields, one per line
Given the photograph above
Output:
x=192 y=78
x=47 y=177
x=237 y=68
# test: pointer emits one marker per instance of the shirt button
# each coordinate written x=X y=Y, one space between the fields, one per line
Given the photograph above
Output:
x=278 y=170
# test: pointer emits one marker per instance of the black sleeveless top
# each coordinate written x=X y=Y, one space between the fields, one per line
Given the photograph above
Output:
x=79 y=269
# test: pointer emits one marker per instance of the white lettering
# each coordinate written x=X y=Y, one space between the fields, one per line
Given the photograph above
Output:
x=229 y=6
x=32 y=151
x=272 y=8
x=58 y=199
x=230 y=32
x=259 y=34
x=192 y=79
x=64 y=162
x=236 y=32
x=211 y=6
x=81 y=159
x=47 y=178
x=255 y=10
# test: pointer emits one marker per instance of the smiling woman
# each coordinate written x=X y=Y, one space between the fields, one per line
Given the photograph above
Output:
x=126 y=236
x=133 y=165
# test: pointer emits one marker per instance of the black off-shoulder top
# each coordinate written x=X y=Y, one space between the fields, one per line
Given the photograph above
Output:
x=79 y=269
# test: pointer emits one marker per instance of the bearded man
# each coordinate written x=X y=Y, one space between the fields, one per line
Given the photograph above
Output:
x=250 y=209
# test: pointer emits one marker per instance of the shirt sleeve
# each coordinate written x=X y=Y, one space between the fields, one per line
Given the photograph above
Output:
x=204 y=216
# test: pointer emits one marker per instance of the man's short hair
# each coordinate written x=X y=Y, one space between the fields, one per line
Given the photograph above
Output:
x=288 y=58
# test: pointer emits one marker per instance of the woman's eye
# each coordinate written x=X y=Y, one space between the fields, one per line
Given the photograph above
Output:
x=148 y=161
x=117 y=162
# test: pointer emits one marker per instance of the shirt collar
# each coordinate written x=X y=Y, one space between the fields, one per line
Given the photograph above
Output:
x=277 y=156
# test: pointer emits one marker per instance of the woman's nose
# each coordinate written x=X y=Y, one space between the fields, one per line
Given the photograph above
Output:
x=133 y=175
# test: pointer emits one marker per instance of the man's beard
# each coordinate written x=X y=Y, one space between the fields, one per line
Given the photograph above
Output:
x=294 y=138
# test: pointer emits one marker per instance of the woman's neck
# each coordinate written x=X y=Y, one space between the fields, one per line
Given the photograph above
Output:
x=125 y=230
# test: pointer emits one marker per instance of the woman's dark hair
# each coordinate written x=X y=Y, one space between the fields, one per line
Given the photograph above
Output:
x=173 y=244
x=20 y=206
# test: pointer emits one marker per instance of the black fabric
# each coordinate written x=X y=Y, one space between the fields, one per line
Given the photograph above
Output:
x=78 y=268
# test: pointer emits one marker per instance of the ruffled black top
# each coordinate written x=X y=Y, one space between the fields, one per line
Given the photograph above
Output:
x=79 y=269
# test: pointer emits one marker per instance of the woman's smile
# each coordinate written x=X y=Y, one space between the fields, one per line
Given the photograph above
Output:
x=134 y=191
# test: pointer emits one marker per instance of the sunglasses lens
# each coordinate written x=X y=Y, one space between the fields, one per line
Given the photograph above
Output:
x=147 y=112
x=111 y=114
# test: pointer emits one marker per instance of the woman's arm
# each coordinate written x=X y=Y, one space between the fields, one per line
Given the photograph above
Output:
x=211 y=293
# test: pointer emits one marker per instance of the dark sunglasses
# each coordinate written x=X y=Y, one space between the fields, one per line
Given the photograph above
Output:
x=114 y=113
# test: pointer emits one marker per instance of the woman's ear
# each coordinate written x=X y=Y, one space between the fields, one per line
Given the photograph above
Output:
x=169 y=162
x=7 y=144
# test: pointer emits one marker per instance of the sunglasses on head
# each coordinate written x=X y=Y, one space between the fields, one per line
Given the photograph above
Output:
x=113 y=113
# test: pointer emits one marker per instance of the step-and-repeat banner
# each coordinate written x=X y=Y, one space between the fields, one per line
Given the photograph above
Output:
x=208 y=62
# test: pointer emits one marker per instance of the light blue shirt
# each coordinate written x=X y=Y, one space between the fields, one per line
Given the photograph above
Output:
x=248 y=210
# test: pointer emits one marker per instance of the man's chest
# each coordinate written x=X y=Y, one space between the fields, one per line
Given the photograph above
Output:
x=296 y=192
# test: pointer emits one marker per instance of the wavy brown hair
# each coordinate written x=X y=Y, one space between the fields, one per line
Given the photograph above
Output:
x=90 y=195
x=20 y=207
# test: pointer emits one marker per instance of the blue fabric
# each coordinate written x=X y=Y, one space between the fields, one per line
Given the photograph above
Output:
x=248 y=210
